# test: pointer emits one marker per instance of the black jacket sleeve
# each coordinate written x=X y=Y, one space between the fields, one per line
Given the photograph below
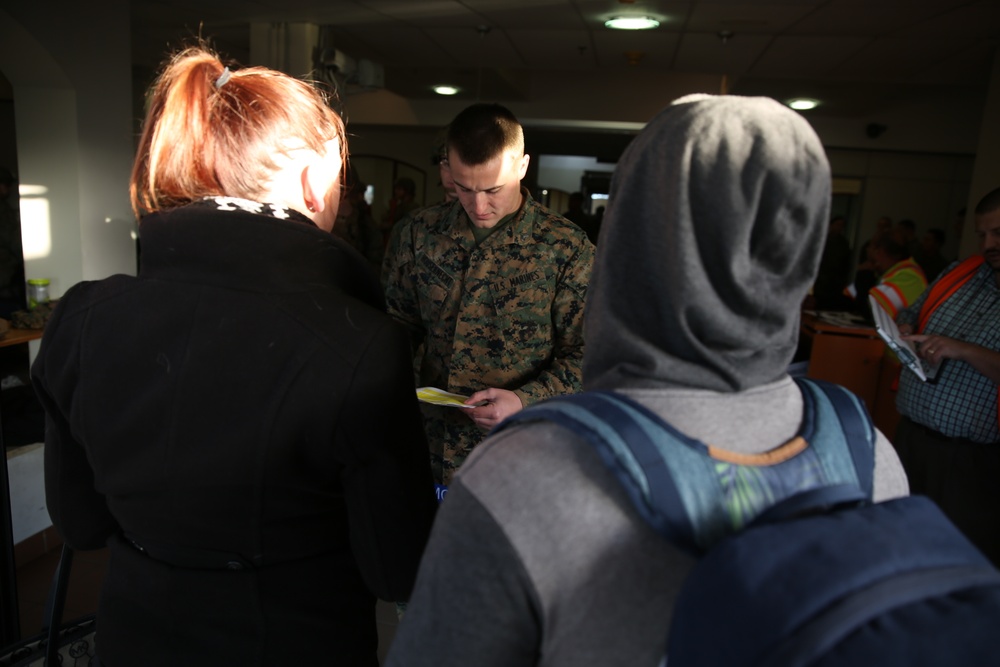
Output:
x=387 y=484
x=77 y=510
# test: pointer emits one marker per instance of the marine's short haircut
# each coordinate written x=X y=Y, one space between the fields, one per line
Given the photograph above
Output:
x=989 y=203
x=482 y=132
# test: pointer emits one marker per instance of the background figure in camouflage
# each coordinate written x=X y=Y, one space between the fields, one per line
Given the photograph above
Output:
x=491 y=288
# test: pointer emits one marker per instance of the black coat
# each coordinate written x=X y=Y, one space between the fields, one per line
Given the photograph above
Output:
x=239 y=424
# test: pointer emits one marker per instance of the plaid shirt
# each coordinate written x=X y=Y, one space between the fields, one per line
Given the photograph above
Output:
x=963 y=401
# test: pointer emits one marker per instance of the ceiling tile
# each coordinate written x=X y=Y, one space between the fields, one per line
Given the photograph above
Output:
x=468 y=46
x=799 y=56
x=979 y=19
x=855 y=17
x=859 y=54
x=439 y=12
x=707 y=53
x=657 y=46
x=555 y=49
x=896 y=59
x=397 y=44
x=528 y=14
x=747 y=17
x=968 y=66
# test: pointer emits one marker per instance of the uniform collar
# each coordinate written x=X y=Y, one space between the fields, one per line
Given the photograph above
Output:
x=517 y=231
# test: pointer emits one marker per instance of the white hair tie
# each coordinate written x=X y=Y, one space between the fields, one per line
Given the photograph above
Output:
x=223 y=78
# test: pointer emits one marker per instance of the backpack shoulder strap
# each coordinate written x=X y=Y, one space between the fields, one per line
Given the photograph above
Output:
x=857 y=425
x=859 y=434
x=624 y=433
x=642 y=451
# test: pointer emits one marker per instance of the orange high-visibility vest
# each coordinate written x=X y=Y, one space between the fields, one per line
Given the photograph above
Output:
x=946 y=286
x=942 y=291
x=901 y=285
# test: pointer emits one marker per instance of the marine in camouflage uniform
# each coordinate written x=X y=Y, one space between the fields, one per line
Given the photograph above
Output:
x=506 y=313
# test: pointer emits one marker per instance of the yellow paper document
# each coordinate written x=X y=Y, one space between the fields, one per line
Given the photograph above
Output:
x=442 y=397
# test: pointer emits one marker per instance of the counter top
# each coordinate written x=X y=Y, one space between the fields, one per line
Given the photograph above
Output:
x=17 y=336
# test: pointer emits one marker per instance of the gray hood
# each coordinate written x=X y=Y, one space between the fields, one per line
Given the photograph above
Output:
x=717 y=215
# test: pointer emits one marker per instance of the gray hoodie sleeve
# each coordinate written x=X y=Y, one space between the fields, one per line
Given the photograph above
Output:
x=472 y=596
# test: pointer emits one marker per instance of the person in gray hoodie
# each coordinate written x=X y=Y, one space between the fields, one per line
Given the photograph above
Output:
x=713 y=235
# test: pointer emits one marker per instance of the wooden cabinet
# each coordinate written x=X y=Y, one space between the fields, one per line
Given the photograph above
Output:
x=850 y=356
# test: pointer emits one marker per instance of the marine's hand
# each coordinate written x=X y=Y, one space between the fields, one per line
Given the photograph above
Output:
x=499 y=404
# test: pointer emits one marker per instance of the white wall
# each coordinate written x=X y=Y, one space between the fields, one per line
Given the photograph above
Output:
x=72 y=104
x=917 y=126
x=71 y=80
x=29 y=513
x=48 y=160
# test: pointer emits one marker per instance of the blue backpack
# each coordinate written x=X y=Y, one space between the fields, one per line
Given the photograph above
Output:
x=796 y=565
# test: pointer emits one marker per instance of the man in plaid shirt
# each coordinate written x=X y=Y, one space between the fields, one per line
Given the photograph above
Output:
x=948 y=438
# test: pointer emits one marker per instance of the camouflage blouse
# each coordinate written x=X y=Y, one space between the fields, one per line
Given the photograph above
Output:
x=507 y=313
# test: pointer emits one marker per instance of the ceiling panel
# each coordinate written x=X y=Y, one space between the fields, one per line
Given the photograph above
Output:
x=866 y=18
x=469 y=46
x=895 y=59
x=979 y=19
x=338 y=12
x=807 y=57
x=747 y=17
x=439 y=12
x=970 y=66
x=398 y=44
x=554 y=49
x=707 y=53
x=529 y=14
x=657 y=48
x=857 y=55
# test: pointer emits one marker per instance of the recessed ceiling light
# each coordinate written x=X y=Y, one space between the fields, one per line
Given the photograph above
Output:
x=445 y=90
x=632 y=23
x=803 y=103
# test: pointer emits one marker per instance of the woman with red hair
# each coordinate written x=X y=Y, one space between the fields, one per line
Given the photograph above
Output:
x=218 y=420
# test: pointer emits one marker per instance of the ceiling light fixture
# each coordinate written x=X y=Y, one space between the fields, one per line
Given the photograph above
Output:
x=632 y=23
x=445 y=90
x=803 y=103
